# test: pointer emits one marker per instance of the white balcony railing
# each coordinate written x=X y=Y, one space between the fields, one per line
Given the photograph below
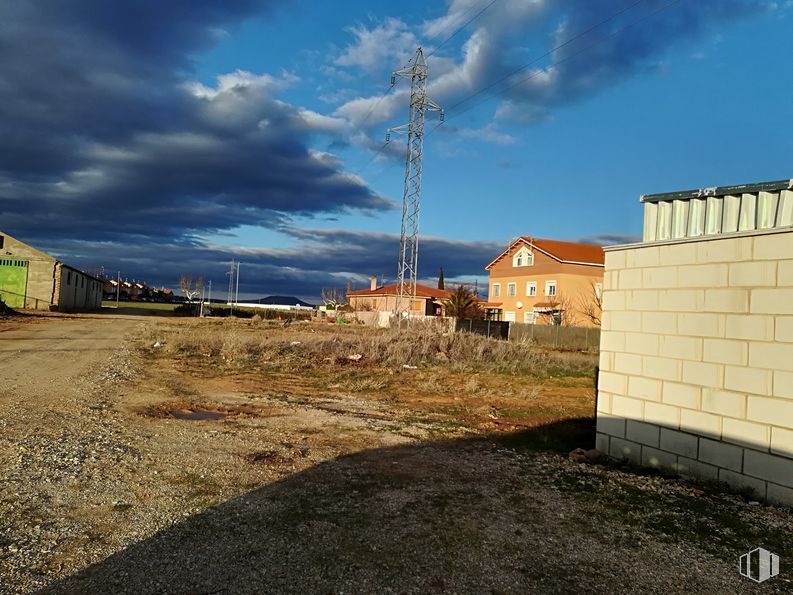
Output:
x=714 y=211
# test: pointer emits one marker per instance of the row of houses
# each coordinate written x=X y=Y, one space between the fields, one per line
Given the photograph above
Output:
x=533 y=281
x=135 y=291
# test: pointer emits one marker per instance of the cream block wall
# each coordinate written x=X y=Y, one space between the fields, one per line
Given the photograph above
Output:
x=696 y=364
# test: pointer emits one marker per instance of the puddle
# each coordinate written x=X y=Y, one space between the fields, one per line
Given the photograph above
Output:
x=196 y=414
x=264 y=456
x=192 y=411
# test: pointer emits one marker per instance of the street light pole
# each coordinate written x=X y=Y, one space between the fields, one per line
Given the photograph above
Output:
x=237 y=292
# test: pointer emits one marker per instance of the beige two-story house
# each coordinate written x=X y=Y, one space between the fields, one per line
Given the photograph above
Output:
x=538 y=281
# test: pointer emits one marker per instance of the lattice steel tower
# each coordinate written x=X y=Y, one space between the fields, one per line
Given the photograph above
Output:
x=411 y=199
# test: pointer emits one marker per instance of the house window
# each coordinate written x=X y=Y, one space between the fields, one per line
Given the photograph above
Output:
x=68 y=277
x=528 y=317
x=523 y=258
x=492 y=314
x=509 y=316
x=2 y=239
x=550 y=288
x=512 y=289
x=496 y=290
x=531 y=288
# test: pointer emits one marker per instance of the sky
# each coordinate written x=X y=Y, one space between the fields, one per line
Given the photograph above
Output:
x=160 y=138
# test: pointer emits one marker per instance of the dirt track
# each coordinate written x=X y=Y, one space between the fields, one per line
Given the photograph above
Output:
x=43 y=356
x=103 y=490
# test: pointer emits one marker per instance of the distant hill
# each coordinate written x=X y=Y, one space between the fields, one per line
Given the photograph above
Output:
x=281 y=300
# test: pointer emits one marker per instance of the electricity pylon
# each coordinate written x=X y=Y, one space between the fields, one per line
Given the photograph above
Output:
x=411 y=199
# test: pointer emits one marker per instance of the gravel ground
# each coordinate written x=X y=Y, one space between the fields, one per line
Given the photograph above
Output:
x=104 y=492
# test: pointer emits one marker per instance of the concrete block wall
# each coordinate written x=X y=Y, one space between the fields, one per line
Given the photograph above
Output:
x=696 y=363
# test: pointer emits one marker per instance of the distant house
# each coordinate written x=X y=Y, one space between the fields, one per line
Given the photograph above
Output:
x=34 y=280
x=429 y=300
x=539 y=281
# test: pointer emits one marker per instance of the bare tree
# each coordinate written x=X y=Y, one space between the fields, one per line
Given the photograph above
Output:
x=561 y=311
x=590 y=304
x=191 y=289
x=333 y=297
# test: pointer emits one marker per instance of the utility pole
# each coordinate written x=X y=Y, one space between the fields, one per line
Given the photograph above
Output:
x=231 y=287
x=237 y=296
x=118 y=289
x=411 y=198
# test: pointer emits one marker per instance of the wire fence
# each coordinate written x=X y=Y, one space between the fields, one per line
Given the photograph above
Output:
x=559 y=337
x=568 y=338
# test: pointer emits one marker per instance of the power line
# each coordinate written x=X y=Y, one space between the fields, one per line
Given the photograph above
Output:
x=444 y=42
x=460 y=28
x=369 y=163
x=562 y=61
x=396 y=80
x=377 y=103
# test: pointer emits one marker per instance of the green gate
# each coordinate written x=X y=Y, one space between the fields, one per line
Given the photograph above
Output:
x=13 y=282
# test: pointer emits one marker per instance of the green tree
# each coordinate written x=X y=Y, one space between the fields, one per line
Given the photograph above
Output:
x=440 y=279
x=463 y=303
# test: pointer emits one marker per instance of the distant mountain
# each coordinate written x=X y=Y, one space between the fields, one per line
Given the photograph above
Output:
x=281 y=300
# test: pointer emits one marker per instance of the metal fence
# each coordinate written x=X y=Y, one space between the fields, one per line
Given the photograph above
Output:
x=559 y=337
x=488 y=328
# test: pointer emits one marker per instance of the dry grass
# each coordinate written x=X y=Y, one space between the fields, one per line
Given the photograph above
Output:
x=241 y=344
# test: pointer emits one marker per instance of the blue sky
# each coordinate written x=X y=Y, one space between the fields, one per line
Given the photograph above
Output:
x=202 y=132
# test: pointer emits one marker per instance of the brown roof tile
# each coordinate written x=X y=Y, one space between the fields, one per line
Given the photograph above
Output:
x=568 y=252
x=421 y=291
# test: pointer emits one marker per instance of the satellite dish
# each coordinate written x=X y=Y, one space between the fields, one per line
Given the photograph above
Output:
x=519 y=305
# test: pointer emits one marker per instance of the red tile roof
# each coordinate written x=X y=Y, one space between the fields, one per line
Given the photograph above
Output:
x=490 y=305
x=421 y=291
x=567 y=252
x=544 y=305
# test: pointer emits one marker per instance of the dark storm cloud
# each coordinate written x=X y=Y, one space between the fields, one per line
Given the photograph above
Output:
x=103 y=136
x=633 y=41
x=325 y=258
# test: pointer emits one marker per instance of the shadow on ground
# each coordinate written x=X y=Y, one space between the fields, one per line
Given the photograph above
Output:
x=461 y=516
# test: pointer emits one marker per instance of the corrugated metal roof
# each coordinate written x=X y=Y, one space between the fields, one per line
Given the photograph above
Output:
x=720 y=191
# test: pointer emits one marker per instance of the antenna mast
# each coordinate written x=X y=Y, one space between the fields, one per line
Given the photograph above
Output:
x=411 y=199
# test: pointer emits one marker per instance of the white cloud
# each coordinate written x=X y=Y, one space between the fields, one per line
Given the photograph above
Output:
x=233 y=82
x=316 y=122
x=389 y=43
x=488 y=134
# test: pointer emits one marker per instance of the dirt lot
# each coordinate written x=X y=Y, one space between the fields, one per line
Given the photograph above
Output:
x=159 y=455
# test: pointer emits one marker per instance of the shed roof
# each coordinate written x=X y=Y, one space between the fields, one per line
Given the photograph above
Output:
x=720 y=191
